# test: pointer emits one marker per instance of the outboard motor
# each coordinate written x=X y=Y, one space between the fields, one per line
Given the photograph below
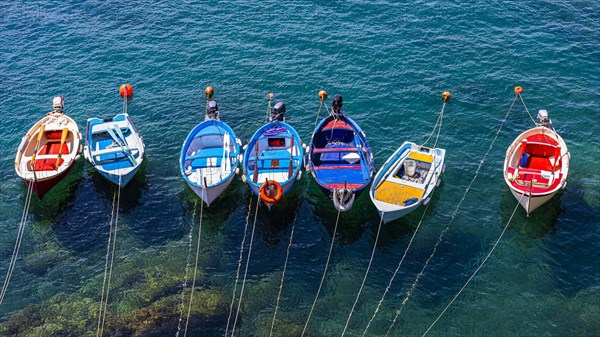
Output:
x=278 y=112
x=212 y=110
x=58 y=104
x=543 y=117
x=336 y=106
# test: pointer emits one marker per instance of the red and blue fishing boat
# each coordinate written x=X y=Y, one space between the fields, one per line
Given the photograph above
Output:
x=339 y=156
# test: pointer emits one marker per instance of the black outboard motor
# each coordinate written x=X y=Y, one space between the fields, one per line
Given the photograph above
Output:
x=336 y=106
x=278 y=112
x=212 y=110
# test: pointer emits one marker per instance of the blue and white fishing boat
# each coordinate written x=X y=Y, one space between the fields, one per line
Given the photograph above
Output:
x=114 y=147
x=406 y=180
x=409 y=176
x=273 y=157
x=209 y=156
x=339 y=157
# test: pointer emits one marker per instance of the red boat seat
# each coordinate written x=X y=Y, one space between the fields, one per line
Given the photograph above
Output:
x=54 y=148
x=49 y=164
x=55 y=134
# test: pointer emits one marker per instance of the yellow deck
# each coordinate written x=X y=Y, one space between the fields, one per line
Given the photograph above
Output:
x=394 y=193
x=421 y=156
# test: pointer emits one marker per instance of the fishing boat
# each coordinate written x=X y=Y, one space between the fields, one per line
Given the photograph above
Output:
x=406 y=180
x=273 y=157
x=114 y=145
x=409 y=176
x=339 y=156
x=537 y=164
x=49 y=150
x=209 y=156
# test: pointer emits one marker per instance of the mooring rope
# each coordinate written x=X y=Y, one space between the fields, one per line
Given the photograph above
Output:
x=478 y=268
x=237 y=273
x=18 y=240
x=112 y=259
x=324 y=274
x=187 y=320
x=319 y=112
x=525 y=106
x=387 y=289
x=453 y=215
x=365 y=277
x=237 y=312
x=436 y=126
x=106 y=259
x=287 y=255
x=187 y=267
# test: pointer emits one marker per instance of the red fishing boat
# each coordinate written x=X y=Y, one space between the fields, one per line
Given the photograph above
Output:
x=49 y=150
x=537 y=164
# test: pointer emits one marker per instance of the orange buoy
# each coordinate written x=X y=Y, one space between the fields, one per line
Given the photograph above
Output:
x=322 y=94
x=446 y=95
x=209 y=91
x=270 y=192
x=518 y=90
x=126 y=90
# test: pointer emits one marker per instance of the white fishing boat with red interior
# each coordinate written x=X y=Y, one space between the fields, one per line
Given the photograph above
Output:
x=49 y=150
x=537 y=164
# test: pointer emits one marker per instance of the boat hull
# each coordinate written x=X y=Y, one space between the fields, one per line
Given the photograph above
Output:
x=531 y=203
x=536 y=167
x=48 y=152
x=340 y=159
x=275 y=153
x=41 y=187
x=401 y=195
x=209 y=156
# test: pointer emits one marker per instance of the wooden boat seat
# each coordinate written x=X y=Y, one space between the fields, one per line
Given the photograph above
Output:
x=112 y=150
x=211 y=152
x=337 y=167
x=348 y=185
x=424 y=157
x=101 y=128
x=398 y=194
x=335 y=149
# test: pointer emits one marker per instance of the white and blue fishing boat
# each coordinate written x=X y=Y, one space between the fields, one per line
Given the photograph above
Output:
x=339 y=157
x=209 y=156
x=273 y=157
x=114 y=147
x=409 y=176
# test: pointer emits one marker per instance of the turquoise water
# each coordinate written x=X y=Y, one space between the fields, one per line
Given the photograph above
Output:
x=390 y=62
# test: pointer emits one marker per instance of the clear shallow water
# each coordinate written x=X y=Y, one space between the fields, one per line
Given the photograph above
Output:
x=390 y=62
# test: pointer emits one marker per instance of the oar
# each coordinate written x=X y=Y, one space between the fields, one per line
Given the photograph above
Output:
x=120 y=133
x=37 y=145
x=363 y=160
x=123 y=146
x=255 y=173
x=225 y=159
x=63 y=138
x=291 y=158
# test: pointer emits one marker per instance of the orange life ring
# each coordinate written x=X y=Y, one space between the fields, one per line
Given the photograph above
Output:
x=263 y=192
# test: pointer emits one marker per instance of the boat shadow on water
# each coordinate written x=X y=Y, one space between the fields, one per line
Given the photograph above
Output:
x=352 y=223
x=397 y=230
x=130 y=194
x=540 y=222
x=59 y=199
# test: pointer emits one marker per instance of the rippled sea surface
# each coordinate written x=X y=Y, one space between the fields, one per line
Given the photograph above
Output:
x=391 y=62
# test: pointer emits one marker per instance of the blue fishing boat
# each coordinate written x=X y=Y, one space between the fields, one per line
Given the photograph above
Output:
x=339 y=157
x=273 y=157
x=209 y=156
x=114 y=147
